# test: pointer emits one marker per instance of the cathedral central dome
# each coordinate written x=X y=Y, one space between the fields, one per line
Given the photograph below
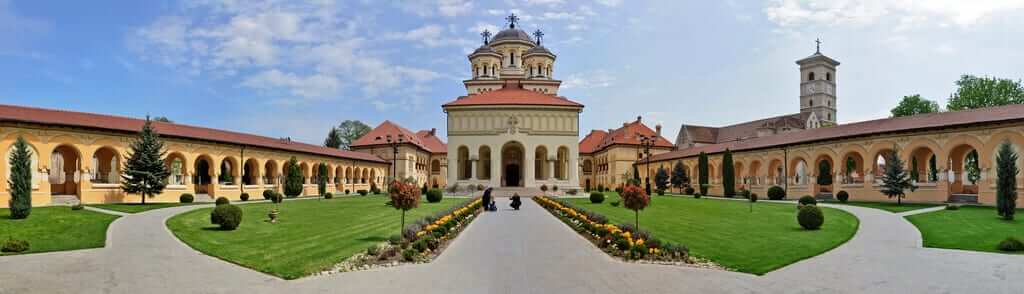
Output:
x=512 y=34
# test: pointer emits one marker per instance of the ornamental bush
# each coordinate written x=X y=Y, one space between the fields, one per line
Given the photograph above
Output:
x=14 y=245
x=808 y=200
x=688 y=191
x=434 y=195
x=614 y=203
x=409 y=254
x=596 y=197
x=952 y=207
x=362 y=192
x=244 y=197
x=843 y=196
x=776 y=193
x=810 y=217
x=374 y=189
x=276 y=197
x=544 y=187
x=752 y=197
x=221 y=201
x=1011 y=244
x=745 y=193
x=227 y=216
x=618 y=189
x=77 y=207
x=328 y=195
x=697 y=195
x=268 y=194
x=186 y=198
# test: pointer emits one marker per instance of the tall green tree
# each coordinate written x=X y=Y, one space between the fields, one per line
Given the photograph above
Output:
x=896 y=180
x=728 y=174
x=163 y=119
x=661 y=179
x=1006 y=181
x=321 y=179
x=20 y=182
x=333 y=138
x=679 y=177
x=702 y=172
x=913 y=105
x=293 y=179
x=980 y=92
x=145 y=172
x=351 y=130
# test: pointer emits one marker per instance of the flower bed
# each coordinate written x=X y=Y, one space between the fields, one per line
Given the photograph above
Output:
x=617 y=240
x=420 y=242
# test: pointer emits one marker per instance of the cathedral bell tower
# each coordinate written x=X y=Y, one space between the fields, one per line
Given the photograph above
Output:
x=818 y=86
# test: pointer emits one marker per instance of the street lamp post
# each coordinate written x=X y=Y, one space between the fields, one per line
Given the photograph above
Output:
x=647 y=143
x=394 y=156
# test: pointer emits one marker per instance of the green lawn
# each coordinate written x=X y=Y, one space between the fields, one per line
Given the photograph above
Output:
x=725 y=232
x=889 y=206
x=137 y=207
x=970 y=228
x=310 y=236
x=57 y=228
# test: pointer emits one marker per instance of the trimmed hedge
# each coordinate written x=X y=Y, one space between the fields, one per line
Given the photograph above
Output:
x=186 y=198
x=596 y=197
x=776 y=193
x=222 y=200
x=362 y=192
x=843 y=196
x=328 y=195
x=810 y=217
x=808 y=200
x=434 y=195
x=688 y=191
x=1011 y=244
x=227 y=216
x=244 y=197
x=268 y=194
x=14 y=245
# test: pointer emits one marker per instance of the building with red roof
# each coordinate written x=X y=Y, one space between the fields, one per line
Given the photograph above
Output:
x=420 y=155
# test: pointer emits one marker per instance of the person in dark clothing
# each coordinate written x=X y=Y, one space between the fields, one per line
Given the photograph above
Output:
x=488 y=201
x=516 y=202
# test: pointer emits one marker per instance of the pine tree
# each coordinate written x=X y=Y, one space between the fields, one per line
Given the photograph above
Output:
x=1006 y=181
x=321 y=179
x=293 y=179
x=333 y=138
x=702 y=173
x=895 y=179
x=728 y=174
x=679 y=175
x=145 y=172
x=20 y=182
x=661 y=179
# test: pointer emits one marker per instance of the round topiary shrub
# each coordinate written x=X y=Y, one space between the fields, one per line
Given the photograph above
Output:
x=186 y=198
x=434 y=195
x=596 y=197
x=328 y=195
x=14 y=245
x=752 y=197
x=697 y=195
x=221 y=201
x=544 y=187
x=268 y=194
x=277 y=198
x=952 y=207
x=776 y=193
x=227 y=216
x=244 y=196
x=808 y=200
x=77 y=207
x=688 y=191
x=843 y=196
x=660 y=192
x=1011 y=244
x=362 y=192
x=810 y=217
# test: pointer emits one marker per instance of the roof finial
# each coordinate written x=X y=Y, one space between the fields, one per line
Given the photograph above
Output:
x=539 y=35
x=512 y=20
x=817 y=48
x=487 y=36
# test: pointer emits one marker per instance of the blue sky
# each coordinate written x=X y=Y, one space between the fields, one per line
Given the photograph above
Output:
x=295 y=68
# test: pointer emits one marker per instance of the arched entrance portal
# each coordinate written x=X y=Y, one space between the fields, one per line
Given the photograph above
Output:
x=202 y=178
x=64 y=165
x=512 y=164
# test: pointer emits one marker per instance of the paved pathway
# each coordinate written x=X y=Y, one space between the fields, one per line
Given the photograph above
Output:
x=526 y=251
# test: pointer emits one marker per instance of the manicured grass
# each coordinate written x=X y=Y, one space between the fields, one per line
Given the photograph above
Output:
x=969 y=228
x=57 y=228
x=889 y=206
x=726 y=232
x=310 y=236
x=137 y=207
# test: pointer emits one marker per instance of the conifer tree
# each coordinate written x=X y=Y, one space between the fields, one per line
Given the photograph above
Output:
x=145 y=172
x=661 y=179
x=20 y=182
x=728 y=174
x=896 y=180
x=1006 y=181
x=702 y=173
x=293 y=179
x=321 y=179
x=679 y=175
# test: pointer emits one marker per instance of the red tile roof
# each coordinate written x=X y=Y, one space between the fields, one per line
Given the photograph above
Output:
x=1009 y=113
x=511 y=95
x=627 y=135
x=21 y=114
x=589 y=143
x=432 y=141
x=425 y=140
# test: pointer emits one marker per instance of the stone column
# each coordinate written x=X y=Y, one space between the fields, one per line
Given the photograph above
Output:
x=551 y=170
x=496 y=168
x=472 y=169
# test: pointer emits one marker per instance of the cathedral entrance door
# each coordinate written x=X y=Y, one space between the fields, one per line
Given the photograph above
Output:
x=512 y=164
x=512 y=175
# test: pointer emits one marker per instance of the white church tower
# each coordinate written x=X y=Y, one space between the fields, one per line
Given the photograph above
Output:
x=818 y=86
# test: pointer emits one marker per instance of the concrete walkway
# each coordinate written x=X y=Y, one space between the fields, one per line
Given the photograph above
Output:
x=526 y=251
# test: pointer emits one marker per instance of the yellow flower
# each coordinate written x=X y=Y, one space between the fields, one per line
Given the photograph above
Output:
x=639 y=242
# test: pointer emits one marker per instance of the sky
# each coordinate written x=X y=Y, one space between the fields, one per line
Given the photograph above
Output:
x=296 y=68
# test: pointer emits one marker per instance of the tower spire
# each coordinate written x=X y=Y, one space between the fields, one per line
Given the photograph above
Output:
x=512 y=20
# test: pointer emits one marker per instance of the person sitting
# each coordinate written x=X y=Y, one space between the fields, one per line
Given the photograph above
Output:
x=516 y=202
x=487 y=200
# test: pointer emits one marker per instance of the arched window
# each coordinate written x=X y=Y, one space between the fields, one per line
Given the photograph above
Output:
x=828 y=76
x=105 y=166
x=810 y=76
x=810 y=102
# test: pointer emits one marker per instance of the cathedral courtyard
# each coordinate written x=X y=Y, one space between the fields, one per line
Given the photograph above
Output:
x=521 y=176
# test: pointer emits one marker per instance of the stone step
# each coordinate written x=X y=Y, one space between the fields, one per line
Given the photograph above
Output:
x=64 y=200
x=204 y=198
x=824 y=196
x=963 y=198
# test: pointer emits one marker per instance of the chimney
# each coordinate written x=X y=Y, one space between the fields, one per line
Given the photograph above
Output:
x=433 y=131
x=639 y=118
x=657 y=129
x=624 y=124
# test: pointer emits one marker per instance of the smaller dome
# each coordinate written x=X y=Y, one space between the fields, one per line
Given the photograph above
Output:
x=512 y=34
x=484 y=50
x=538 y=50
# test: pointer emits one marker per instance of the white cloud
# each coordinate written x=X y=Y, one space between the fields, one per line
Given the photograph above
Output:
x=454 y=7
x=794 y=13
x=315 y=86
x=560 y=16
x=430 y=35
x=17 y=31
x=447 y=8
x=544 y=2
x=588 y=80
x=609 y=3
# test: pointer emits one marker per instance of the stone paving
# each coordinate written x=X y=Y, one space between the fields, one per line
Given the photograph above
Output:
x=526 y=251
